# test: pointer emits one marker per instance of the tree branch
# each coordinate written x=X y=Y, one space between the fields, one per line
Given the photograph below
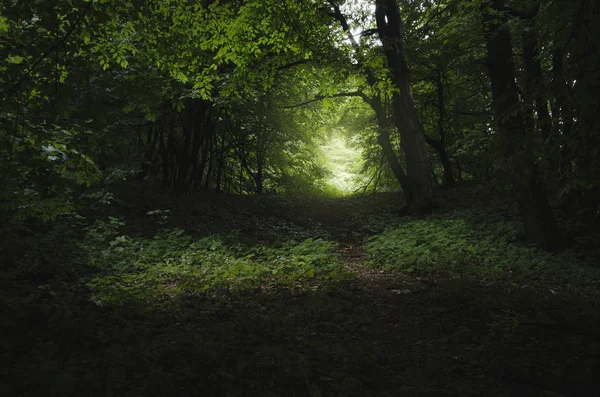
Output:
x=337 y=14
x=321 y=97
x=292 y=64
x=52 y=48
x=523 y=15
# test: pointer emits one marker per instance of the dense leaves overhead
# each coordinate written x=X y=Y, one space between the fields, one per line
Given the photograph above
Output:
x=236 y=96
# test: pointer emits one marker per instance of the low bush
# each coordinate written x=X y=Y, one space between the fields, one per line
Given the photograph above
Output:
x=172 y=264
x=479 y=245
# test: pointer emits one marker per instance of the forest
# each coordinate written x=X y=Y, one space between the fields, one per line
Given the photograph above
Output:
x=300 y=198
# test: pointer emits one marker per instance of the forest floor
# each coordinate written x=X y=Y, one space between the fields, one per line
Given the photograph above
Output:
x=377 y=331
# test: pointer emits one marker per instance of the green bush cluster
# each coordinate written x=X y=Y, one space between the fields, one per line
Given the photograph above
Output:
x=174 y=264
x=476 y=244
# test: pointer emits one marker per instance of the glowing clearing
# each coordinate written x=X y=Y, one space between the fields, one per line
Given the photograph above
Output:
x=342 y=163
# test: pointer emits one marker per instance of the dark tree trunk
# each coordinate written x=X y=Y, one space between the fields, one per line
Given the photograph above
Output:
x=448 y=180
x=172 y=152
x=563 y=111
x=149 y=149
x=538 y=101
x=459 y=171
x=183 y=154
x=211 y=150
x=537 y=216
x=440 y=145
x=384 y=140
x=199 y=115
x=418 y=169
x=535 y=81
x=258 y=178
x=191 y=155
x=206 y=142
x=219 y=176
x=164 y=154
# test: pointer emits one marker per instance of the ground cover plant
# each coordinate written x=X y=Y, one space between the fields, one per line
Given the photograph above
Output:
x=474 y=243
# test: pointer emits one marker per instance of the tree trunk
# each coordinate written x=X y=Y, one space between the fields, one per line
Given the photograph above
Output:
x=537 y=101
x=384 y=140
x=536 y=214
x=440 y=145
x=208 y=126
x=448 y=180
x=149 y=148
x=418 y=169
x=562 y=111
x=172 y=152
x=164 y=154
x=259 y=178
x=535 y=81
x=219 y=176
x=459 y=171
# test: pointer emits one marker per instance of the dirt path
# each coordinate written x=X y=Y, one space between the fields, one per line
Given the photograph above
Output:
x=370 y=280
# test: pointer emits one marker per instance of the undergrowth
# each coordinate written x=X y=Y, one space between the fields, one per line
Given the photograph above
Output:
x=250 y=298
x=172 y=263
x=477 y=244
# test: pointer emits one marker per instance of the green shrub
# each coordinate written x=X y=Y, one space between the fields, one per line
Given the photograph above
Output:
x=475 y=244
x=172 y=264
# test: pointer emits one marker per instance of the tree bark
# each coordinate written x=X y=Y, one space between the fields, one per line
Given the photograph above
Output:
x=448 y=180
x=258 y=178
x=459 y=171
x=385 y=127
x=152 y=136
x=164 y=154
x=535 y=81
x=538 y=219
x=418 y=169
x=411 y=191
x=440 y=144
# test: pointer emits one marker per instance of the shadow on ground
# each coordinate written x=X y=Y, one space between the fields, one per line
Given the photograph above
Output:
x=376 y=336
x=417 y=340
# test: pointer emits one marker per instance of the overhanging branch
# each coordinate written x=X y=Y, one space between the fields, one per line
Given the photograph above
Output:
x=53 y=48
x=321 y=97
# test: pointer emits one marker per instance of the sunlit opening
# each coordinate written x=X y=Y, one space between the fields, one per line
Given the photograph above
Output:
x=341 y=162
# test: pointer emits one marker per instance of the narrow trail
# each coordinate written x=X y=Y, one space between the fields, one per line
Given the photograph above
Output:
x=370 y=280
x=347 y=222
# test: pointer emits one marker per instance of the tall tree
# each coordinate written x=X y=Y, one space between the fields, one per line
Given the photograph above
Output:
x=418 y=169
x=417 y=181
x=538 y=219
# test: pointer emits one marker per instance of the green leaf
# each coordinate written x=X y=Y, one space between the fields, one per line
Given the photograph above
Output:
x=14 y=59
x=3 y=25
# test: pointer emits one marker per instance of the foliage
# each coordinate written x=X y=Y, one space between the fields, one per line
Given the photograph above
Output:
x=173 y=264
x=230 y=117
x=481 y=245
